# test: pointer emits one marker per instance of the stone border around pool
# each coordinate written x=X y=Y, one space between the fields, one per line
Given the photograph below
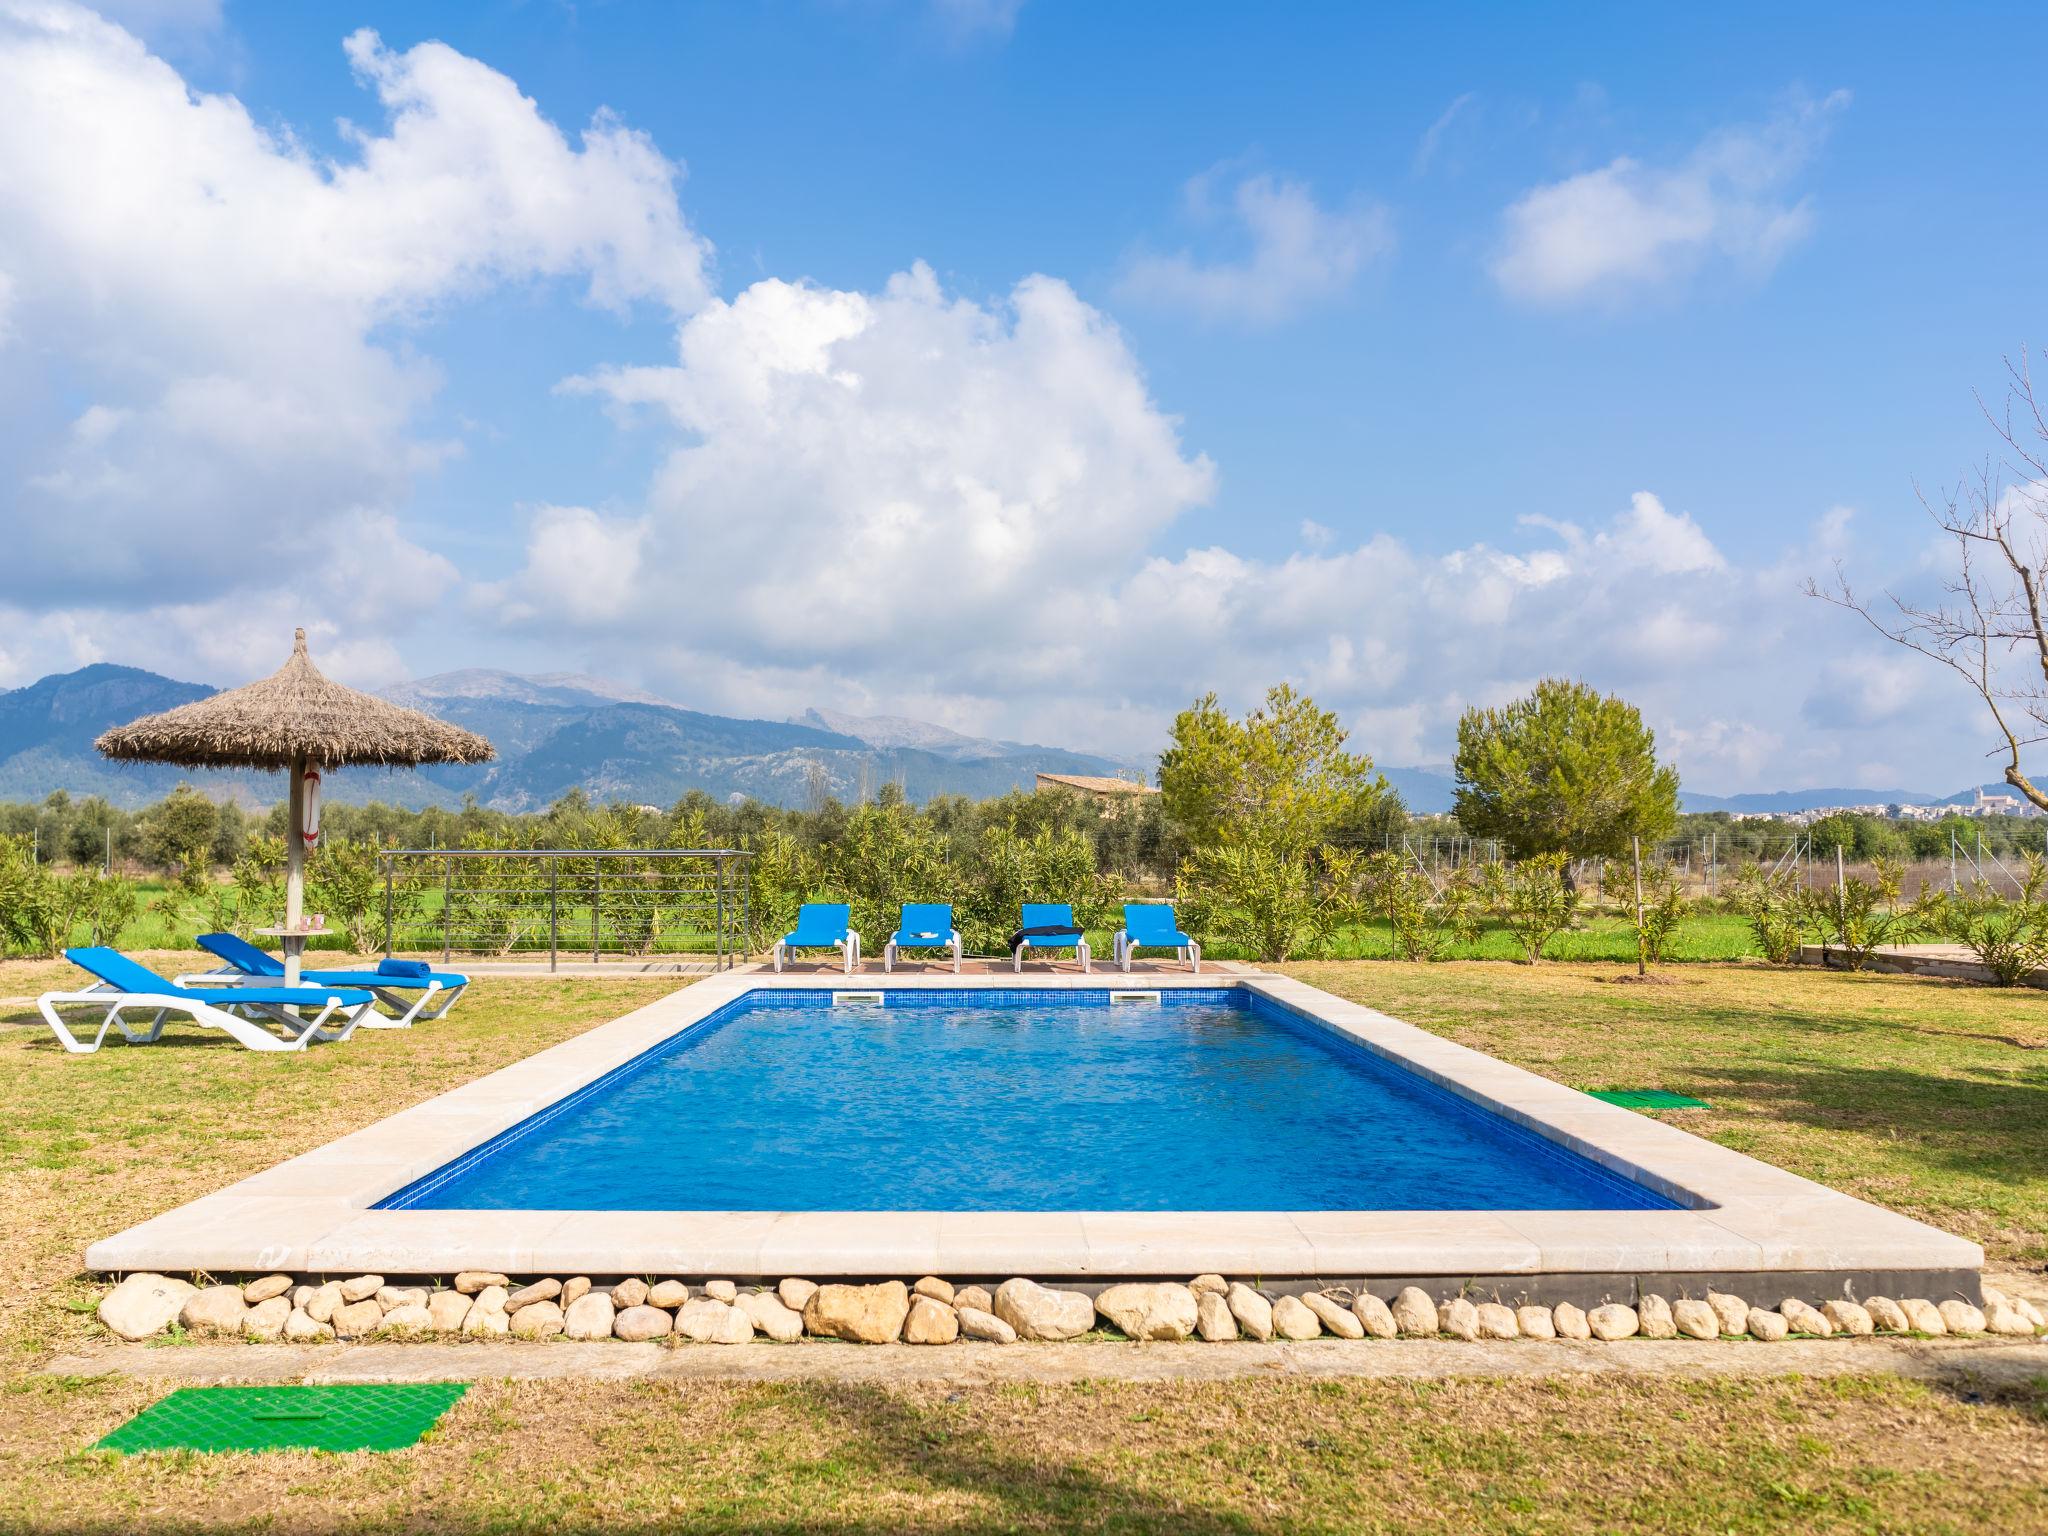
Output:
x=1741 y=1218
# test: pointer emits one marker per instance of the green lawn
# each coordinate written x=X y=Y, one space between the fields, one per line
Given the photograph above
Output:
x=1923 y=1095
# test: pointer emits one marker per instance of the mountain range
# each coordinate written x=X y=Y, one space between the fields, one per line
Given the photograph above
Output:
x=554 y=732
x=558 y=731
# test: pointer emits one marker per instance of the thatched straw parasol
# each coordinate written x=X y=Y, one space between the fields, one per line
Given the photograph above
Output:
x=297 y=720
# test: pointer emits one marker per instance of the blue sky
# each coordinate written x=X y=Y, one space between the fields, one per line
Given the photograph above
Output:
x=1404 y=352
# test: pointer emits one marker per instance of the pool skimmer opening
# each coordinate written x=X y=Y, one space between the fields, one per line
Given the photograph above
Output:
x=1135 y=997
x=844 y=999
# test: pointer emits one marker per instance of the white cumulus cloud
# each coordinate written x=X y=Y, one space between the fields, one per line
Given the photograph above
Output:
x=232 y=308
x=1627 y=227
x=1299 y=252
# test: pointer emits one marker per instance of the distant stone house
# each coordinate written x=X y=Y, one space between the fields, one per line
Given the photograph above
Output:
x=1111 y=794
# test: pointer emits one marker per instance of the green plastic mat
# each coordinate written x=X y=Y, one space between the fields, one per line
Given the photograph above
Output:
x=1649 y=1098
x=382 y=1417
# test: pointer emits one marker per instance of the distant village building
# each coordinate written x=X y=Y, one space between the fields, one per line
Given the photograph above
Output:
x=1111 y=794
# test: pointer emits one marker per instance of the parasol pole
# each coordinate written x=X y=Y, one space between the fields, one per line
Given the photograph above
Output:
x=295 y=872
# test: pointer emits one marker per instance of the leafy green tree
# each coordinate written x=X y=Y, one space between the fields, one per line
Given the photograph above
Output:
x=1259 y=801
x=179 y=833
x=1425 y=920
x=2008 y=934
x=1279 y=778
x=1567 y=770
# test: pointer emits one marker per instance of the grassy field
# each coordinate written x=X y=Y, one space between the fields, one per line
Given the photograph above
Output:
x=1922 y=1095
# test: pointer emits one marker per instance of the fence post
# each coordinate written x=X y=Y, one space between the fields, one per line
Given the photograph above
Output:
x=447 y=905
x=1642 y=958
x=596 y=905
x=718 y=866
x=554 y=907
x=387 y=906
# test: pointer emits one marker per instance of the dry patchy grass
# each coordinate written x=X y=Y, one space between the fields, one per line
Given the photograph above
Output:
x=1909 y=1092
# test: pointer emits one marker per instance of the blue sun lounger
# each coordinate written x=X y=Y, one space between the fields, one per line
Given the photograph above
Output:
x=244 y=963
x=1048 y=925
x=821 y=925
x=924 y=925
x=122 y=985
x=1153 y=925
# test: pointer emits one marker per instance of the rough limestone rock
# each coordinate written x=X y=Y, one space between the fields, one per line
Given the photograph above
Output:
x=770 y=1317
x=1535 y=1322
x=573 y=1291
x=2033 y=1313
x=1458 y=1318
x=325 y=1302
x=590 y=1316
x=267 y=1318
x=1766 y=1326
x=1654 y=1319
x=1293 y=1320
x=1333 y=1315
x=1497 y=1321
x=862 y=1314
x=1414 y=1313
x=389 y=1296
x=722 y=1290
x=1731 y=1311
x=1886 y=1315
x=1159 y=1311
x=1613 y=1321
x=1961 y=1317
x=407 y=1317
x=934 y=1287
x=257 y=1291
x=301 y=1294
x=1695 y=1319
x=448 y=1310
x=217 y=1310
x=1847 y=1317
x=2001 y=1317
x=487 y=1317
x=358 y=1319
x=1215 y=1284
x=1037 y=1312
x=629 y=1293
x=1374 y=1316
x=930 y=1321
x=470 y=1281
x=361 y=1287
x=1923 y=1315
x=529 y=1295
x=976 y=1296
x=796 y=1294
x=1802 y=1318
x=985 y=1326
x=537 y=1320
x=640 y=1323
x=1212 y=1317
x=1570 y=1321
x=301 y=1327
x=713 y=1322
x=667 y=1293
x=1253 y=1312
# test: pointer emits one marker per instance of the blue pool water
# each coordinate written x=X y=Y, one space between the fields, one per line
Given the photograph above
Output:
x=1015 y=1100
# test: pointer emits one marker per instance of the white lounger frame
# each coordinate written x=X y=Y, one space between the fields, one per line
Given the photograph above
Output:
x=1078 y=946
x=1122 y=949
x=404 y=1013
x=892 y=949
x=161 y=1005
x=849 y=951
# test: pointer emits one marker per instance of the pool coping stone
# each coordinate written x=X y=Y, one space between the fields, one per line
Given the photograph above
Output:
x=1740 y=1216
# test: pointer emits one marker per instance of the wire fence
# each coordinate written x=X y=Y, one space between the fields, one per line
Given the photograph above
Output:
x=1702 y=866
x=571 y=904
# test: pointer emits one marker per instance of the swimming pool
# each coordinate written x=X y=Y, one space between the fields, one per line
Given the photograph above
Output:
x=1016 y=1100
